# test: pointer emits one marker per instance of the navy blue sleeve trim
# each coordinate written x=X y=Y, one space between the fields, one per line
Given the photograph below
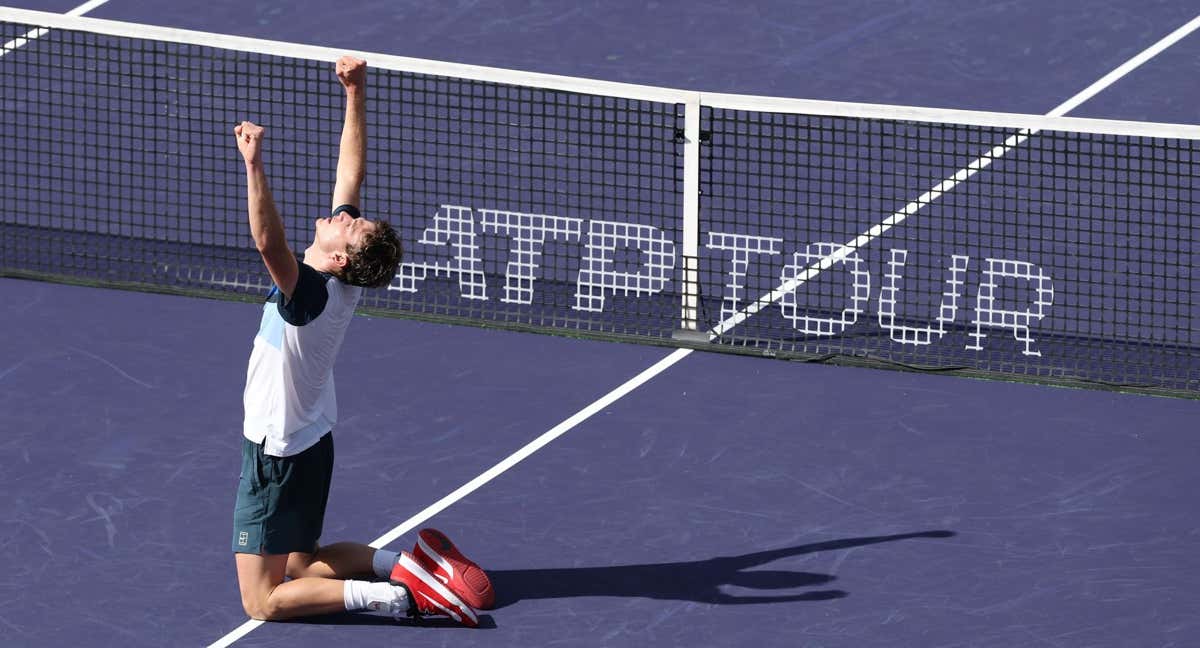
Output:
x=349 y=209
x=308 y=298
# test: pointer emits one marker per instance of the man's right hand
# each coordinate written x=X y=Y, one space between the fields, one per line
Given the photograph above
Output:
x=249 y=141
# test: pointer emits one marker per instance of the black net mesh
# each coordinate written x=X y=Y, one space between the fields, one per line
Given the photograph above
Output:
x=1047 y=255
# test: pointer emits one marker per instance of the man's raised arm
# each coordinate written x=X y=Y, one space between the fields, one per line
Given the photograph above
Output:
x=266 y=227
x=352 y=154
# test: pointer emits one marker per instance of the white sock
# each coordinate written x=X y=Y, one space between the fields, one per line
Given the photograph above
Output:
x=359 y=595
x=383 y=561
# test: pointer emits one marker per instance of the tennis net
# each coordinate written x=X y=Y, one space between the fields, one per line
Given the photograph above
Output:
x=1050 y=249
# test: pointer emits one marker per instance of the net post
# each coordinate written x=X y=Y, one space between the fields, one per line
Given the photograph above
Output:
x=690 y=280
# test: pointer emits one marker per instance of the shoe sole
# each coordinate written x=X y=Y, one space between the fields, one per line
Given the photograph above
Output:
x=478 y=592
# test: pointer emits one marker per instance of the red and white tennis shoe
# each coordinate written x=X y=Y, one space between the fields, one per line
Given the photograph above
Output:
x=447 y=564
x=428 y=595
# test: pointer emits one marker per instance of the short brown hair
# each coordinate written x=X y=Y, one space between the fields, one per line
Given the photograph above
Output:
x=373 y=263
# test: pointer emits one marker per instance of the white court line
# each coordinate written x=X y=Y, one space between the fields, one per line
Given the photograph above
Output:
x=235 y=634
x=949 y=183
x=680 y=354
x=34 y=34
x=85 y=7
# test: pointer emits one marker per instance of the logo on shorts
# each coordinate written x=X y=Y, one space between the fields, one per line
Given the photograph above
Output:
x=243 y=538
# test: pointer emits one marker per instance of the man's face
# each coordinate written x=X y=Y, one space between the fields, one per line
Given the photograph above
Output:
x=342 y=233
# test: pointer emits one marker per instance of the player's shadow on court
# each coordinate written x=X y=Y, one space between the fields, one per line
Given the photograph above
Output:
x=700 y=581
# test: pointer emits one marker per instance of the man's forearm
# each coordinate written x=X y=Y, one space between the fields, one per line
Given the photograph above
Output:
x=352 y=155
x=265 y=224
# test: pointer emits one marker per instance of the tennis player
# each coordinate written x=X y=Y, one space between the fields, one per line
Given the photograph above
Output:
x=291 y=409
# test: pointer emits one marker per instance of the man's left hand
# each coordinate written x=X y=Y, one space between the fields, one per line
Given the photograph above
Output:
x=249 y=141
x=352 y=72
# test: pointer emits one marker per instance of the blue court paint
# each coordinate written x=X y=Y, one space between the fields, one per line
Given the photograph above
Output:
x=837 y=488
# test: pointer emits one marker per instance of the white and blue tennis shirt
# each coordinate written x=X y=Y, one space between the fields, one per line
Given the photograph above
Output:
x=289 y=399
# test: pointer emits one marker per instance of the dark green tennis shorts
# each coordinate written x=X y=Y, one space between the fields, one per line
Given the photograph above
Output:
x=281 y=500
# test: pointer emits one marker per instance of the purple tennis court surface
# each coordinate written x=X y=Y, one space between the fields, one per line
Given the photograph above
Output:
x=728 y=501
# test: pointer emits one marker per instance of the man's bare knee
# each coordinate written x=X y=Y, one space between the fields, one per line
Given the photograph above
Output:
x=254 y=608
x=252 y=611
x=258 y=576
x=263 y=608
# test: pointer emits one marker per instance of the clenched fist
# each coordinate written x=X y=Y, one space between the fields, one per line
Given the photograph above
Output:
x=352 y=72
x=249 y=140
